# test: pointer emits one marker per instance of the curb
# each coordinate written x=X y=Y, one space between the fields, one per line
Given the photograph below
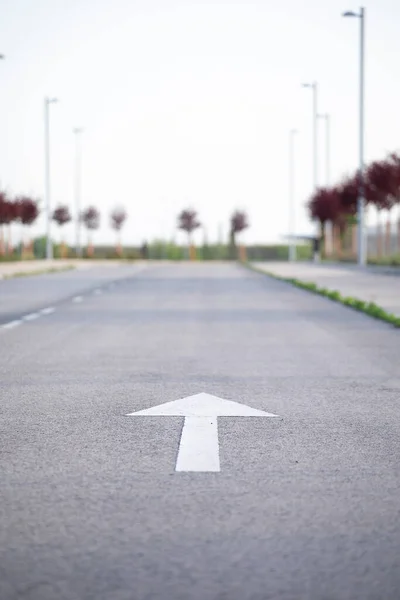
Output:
x=369 y=308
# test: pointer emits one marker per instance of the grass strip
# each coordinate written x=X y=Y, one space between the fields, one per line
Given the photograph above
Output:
x=38 y=272
x=369 y=308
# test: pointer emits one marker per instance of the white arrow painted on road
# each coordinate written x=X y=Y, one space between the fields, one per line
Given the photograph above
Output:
x=199 y=447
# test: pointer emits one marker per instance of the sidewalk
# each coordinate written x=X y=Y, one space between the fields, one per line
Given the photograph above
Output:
x=9 y=269
x=382 y=289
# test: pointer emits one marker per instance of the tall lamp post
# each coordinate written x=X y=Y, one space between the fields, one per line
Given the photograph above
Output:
x=326 y=118
x=2 y=57
x=292 y=216
x=361 y=242
x=328 y=226
x=49 y=246
x=314 y=87
x=77 y=186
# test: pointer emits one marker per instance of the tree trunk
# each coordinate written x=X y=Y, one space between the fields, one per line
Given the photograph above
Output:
x=398 y=236
x=354 y=230
x=322 y=240
x=328 y=242
x=1 y=240
x=338 y=240
x=232 y=246
x=242 y=253
x=379 y=237
x=9 y=241
x=63 y=250
x=90 y=248
x=387 y=236
x=118 y=247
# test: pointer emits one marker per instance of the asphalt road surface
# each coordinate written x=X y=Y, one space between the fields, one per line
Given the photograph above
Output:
x=305 y=506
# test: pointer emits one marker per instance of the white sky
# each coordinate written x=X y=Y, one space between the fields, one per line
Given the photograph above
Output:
x=189 y=103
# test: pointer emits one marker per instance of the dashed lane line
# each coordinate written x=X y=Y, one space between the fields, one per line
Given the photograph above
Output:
x=47 y=311
x=12 y=324
x=31 y=317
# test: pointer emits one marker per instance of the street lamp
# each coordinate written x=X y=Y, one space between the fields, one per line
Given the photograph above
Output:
x=292 y=217
x=326 y=118
x=362 y=253
x=49 y=246
x=78 y=158
x=328 y=226
x=314 y=87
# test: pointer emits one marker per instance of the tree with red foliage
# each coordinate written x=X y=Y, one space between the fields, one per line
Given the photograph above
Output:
x=325 y=205
x=28 y=212
x=380 y=178
x=348 y=195
x=394 y=159
x=62 y=216
x=238 y=223
x=91 y=219
x=8 y=214
x=118 y=218
x=188 y=221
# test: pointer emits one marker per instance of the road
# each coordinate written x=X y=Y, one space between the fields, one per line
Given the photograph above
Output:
x=371 y=284
x=305 y=505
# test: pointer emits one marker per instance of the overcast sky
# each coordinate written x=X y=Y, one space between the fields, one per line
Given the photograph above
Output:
x=190 y=103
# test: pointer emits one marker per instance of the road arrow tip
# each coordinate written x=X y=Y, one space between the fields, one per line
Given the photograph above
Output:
x=201 y=405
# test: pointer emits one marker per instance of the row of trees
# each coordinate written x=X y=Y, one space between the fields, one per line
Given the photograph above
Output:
x=90 y=217
x=25 y=210
x=21 y=209
x=337 y=205
x=188 y=221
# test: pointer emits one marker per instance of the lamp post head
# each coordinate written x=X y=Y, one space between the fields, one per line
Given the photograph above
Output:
x=309 y=85
x=350 y=13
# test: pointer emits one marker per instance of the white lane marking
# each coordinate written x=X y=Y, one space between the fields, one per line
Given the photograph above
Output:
x=199 y=445
x=12 y=324
x=31 y=317
x=77 y=299
x=48 y=311
x=97 y=292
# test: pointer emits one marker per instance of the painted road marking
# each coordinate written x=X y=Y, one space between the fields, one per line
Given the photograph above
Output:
x=199 y=445
x=31 y=317
x=12 y=324
x=48 y=311
x=77 y=299
x=97 y=292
